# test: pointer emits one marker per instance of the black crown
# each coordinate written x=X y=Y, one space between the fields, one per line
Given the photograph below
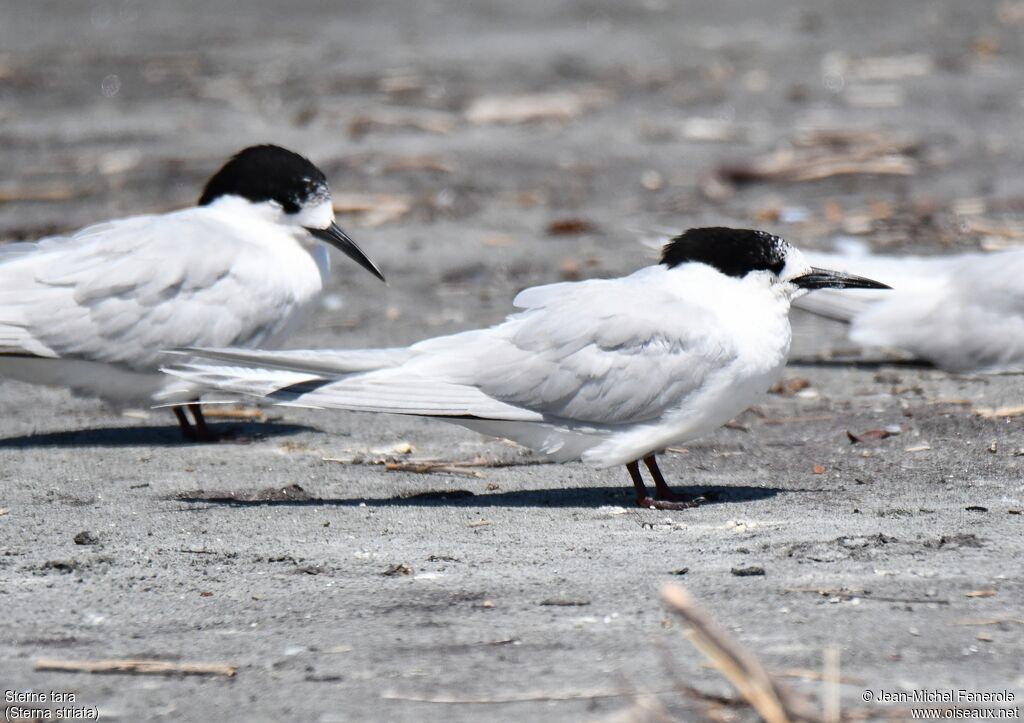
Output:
x=733 y=251
x=267 y=173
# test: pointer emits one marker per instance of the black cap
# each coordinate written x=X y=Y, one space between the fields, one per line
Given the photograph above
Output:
x=733 y=251
x=268 y=173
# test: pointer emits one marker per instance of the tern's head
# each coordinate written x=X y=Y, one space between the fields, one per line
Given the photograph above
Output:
x=291 y=187
x=757 y=257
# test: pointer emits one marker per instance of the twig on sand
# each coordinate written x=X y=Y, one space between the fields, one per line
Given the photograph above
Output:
x=464 y=468
x=689 y=691
x=992 y=621
x=788 y=166
x=56 y=192
x=235 y=413
x=534 y=107
x=844 y=594
x=997 y=412
x=795 y=165
x=136 y=667
x=774 y=703
x=373 y=209
x=432 y=467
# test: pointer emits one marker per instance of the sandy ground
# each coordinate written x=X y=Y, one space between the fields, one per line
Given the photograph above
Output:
x=361 y=590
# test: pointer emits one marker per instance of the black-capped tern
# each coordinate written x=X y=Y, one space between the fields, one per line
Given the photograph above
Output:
x=610 y=371
x=92 y=311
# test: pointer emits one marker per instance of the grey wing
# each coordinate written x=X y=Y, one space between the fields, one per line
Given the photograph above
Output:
x=592 y=354
x=596 y=353
x=329 y=362
x=121 y=292
x=389 y=390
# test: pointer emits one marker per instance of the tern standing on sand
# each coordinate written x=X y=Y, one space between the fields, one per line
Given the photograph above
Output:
x=92 y=311
x=610 y=371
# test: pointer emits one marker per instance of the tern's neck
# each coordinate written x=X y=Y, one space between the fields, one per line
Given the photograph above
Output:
x=752 y=308
x=243 y=208
x=705 y=285
x=262 y=224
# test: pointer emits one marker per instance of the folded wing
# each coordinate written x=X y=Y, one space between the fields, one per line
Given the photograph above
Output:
x=121 y=292
x=600 y=353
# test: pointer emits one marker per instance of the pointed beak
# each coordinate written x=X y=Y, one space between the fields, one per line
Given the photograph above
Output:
x=825 y=279
x=341 y=241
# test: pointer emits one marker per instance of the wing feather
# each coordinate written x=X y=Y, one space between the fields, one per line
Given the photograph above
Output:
x=313 y=361
x=589 y=354
x=104 y=293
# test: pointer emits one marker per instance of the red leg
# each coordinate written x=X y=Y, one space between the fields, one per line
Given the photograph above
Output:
x=642 y=499
x=659 y=502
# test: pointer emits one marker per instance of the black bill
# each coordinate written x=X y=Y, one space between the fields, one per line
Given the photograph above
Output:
x=825 y=279
x=341 y=241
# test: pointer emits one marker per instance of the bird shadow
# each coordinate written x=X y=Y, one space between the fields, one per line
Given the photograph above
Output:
x=150 y=436
x=865 y=364
x=295 y=496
